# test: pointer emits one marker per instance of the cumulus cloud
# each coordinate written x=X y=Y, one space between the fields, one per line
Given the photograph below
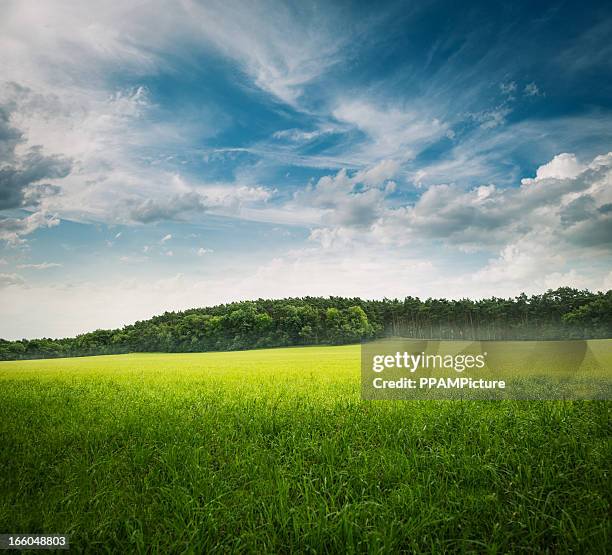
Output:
x=562 y=166
x=152 y=210
x=350 y=200
x=21 y=173
x=521 y=262
x=224 y=199
x=229 y=197
x=565 y=196
x=25 y=171
x=381 y=172
x=536 y=235
x=568 y=198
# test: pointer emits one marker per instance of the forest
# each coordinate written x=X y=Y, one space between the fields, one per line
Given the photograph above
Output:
x=564 y=313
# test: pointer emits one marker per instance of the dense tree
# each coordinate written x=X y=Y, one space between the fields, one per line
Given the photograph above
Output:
x=558 y=314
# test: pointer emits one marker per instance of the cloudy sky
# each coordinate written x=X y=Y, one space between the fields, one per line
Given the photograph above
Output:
x=164 y=155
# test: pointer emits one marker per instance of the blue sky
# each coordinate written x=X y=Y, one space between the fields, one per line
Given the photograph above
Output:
x=163 y=155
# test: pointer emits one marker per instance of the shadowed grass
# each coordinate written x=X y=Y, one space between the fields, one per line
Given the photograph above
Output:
x=273 y=451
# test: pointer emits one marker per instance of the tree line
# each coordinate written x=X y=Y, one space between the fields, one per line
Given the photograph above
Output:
x=564 y=313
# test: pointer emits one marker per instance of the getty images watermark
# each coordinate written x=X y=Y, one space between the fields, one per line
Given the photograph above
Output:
x=400 y=368
x=411 y=362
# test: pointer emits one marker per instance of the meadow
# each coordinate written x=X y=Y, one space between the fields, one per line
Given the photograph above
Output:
x=273 y=451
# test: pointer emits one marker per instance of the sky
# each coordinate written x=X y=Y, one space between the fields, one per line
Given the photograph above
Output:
x=159 y=155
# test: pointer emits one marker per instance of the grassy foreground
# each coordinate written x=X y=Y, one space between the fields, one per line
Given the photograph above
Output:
x=273 y=451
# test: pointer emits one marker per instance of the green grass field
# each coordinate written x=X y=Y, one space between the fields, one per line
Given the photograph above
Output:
x=274 y=451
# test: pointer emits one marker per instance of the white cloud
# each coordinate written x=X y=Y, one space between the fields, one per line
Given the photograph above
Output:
x=562 y=166
x=202 y=251
x=166 y=238
x=299 y=135
x=41 y=266
x=522 y=262
x=281 y=47
x=490 y=119
x=221 y=199
x=487 y=214
x=541 y=233
x=81 y=141
x=12 y=230
x=6 y=280
x=508 y=88
x=168 y=208
x=238 y=195
x=483 y=155
x=531 y=89
x=65 y=110
x=393 y=133
x=381 y=172
x=335 y=238
x=132 y=259
x=350 y=201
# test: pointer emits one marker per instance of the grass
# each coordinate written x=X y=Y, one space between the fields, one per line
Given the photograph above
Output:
x=273 y=451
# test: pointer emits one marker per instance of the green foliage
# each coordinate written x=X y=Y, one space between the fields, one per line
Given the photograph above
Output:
x=595 y=315
x=560 y=314
x=272 y=451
